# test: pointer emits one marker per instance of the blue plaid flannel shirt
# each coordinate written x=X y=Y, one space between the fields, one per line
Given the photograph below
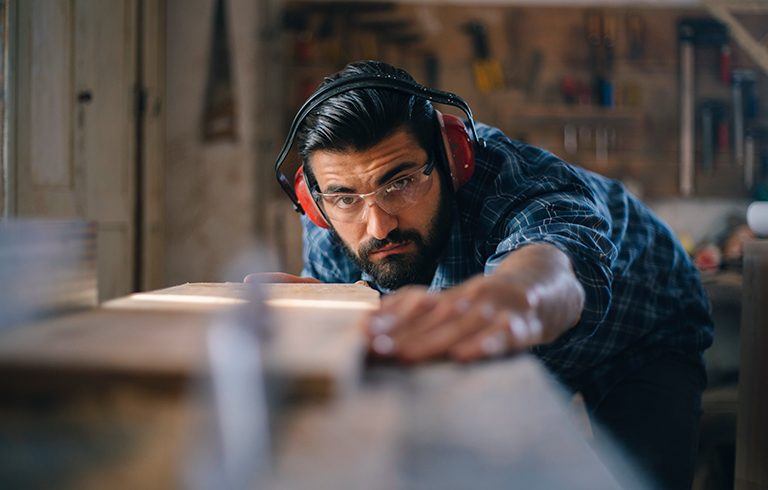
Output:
x=644 y=296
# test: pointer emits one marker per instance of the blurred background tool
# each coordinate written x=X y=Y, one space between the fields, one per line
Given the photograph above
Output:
x=594 y=38
x=749 y=158
x=692 y=32
x=488 y=75
x=609 y=41
x=636 y=32
x=742 y=84
x=707 y=135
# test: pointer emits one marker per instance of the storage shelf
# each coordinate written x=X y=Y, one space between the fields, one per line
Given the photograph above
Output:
x=575 y=114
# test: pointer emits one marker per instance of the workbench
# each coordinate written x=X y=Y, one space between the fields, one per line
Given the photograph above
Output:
x=229 y=386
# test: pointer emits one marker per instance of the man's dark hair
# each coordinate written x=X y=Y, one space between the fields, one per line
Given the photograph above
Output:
x=358 y=120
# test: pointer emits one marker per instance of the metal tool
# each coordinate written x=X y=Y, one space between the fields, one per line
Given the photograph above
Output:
x=741 y=81
x=692 y=32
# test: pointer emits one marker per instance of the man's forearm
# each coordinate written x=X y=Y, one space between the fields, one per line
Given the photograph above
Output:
x=532 y=297
x=552 y=288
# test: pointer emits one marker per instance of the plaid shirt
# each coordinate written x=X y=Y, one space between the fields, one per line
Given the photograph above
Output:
x=644 y=297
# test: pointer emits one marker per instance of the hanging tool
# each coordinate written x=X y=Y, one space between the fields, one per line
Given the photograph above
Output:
x=742 y=83
x=691 y=33
x=488 y=75
x=570 y=139
x=594 y=37
x=749 y=158
x=636 y=31
x=609 y=41
x=534 y=71
x=714 y=131
x=707 y=134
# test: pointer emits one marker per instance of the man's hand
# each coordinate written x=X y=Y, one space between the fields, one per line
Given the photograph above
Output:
x=531 y=299
x=268 y=277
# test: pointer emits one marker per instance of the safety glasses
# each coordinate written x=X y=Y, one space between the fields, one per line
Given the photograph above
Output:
x=393 y=198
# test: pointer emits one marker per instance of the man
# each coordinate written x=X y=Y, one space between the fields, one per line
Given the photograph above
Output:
x=529 y=254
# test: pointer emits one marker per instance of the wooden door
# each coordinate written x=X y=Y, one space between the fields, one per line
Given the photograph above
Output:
x=78 y=127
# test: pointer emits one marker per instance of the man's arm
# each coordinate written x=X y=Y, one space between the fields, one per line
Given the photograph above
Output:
x=531 y=298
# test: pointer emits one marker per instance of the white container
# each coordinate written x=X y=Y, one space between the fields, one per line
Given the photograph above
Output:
x=757 y=218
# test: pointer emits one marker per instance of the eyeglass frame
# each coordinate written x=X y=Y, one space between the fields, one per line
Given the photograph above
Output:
x=318 y=196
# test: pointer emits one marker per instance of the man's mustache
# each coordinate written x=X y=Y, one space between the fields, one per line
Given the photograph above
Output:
x=395 y=237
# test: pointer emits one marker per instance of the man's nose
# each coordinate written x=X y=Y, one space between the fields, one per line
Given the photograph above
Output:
x=379 y=222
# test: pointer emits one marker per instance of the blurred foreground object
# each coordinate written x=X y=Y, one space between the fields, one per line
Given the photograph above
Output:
x=230 y=386
x=493 y=425
x=46 y=268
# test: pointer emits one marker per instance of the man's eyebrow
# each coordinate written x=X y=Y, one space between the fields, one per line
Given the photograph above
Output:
x=384 y=179
x=338 y=189
x=394 y=171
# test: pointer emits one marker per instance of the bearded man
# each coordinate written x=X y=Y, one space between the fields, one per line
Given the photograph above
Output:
x=492 y=246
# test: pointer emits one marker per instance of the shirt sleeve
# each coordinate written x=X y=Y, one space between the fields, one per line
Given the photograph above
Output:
x=575 y=223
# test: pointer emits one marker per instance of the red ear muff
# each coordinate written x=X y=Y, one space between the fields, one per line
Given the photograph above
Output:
x=308 y=204
x=461 y=154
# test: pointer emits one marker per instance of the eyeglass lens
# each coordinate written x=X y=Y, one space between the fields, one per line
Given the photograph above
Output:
x=393 y=198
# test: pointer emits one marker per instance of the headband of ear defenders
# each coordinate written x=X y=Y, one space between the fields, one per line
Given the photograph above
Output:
x=354 y=82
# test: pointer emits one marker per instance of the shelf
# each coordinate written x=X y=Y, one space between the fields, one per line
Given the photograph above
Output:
x=575 y=114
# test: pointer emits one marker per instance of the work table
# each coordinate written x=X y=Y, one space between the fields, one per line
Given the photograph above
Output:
x=157 y=389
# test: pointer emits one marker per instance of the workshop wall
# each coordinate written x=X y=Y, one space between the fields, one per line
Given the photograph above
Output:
x=211 y=189
x=531 y=71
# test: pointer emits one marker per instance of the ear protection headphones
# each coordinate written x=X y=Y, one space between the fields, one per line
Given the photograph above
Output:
x=459 y=147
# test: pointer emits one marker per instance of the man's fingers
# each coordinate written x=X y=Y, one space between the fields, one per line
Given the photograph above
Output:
x=445 y=332
x=509 y=332
x=270 y=277
x=399 y=310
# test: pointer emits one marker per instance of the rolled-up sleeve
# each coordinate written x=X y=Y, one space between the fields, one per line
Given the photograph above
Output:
x=577 y=226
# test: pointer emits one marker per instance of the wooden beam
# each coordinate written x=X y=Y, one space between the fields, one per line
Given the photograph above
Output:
x=724 y=12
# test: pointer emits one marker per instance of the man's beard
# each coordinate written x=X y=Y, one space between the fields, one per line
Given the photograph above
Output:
x=397 y=270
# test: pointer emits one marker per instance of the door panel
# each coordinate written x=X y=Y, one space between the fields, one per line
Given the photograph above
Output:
x=77 y=124
x=50 y=90
x=105 y=54
x=45 y=160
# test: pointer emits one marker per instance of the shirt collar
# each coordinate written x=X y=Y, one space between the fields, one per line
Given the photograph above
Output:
x=449 y=272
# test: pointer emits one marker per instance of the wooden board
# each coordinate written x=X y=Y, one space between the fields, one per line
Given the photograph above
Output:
x=494 y=425
x=104 y=341
x=314 y=346
x=123 y=395
x=489 y=425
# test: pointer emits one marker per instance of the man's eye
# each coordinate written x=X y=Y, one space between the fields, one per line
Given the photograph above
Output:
x=400 y=184
x=344 y=201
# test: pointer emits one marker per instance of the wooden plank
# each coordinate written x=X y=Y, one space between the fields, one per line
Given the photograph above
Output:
x=502 y=424
x=314 y=346
x=109 y=341
x=486 y=426
x=748 y=43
